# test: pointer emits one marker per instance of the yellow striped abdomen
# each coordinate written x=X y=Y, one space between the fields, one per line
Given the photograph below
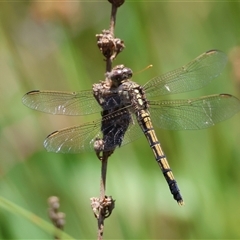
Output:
x=147 y=127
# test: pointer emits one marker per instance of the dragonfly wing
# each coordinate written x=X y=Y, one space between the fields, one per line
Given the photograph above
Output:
x=196 y=113
x=133 y=133
x=65 y=103
x=74 y=139
x=192 y=76
x=81 y=138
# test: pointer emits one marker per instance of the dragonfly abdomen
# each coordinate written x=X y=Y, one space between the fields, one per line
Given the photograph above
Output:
x=147 y=127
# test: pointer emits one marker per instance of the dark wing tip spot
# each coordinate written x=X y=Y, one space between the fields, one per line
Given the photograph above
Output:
x=225 y=95
x=212 y=51
x=32 y=92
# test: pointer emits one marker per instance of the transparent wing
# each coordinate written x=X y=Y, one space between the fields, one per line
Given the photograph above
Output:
x=196 y=113
x=133 y=133
x=81 y=138
x=74 y=139
x=193 y=75
x=66 y=103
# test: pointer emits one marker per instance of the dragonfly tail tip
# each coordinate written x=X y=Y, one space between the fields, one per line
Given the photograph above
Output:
x=181 y=203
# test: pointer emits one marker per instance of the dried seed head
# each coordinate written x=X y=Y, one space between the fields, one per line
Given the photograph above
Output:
x=108 y=45
x=53 y=203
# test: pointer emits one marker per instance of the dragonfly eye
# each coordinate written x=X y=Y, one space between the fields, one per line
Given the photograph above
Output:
x=120 y=73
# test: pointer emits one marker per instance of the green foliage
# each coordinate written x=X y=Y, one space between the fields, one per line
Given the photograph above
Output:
x=52 y=46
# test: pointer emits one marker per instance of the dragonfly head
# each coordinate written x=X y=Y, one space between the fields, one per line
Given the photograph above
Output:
x=119 y=74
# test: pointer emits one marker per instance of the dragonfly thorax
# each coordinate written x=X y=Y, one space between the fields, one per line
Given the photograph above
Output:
x=133 y=94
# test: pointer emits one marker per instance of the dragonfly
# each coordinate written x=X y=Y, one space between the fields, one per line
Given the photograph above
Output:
x=129 y=110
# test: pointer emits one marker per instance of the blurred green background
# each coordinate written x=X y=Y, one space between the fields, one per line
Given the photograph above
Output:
x=51 y=45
